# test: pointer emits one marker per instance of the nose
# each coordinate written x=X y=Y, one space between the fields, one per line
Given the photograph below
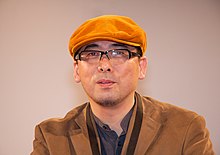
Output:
x=104 y=64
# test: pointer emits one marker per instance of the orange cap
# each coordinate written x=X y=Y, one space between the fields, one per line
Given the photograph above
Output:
x=108 y=27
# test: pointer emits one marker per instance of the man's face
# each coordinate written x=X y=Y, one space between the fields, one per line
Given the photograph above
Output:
x=105 y=82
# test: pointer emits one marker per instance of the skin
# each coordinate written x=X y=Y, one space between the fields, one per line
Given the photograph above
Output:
x=110 y=89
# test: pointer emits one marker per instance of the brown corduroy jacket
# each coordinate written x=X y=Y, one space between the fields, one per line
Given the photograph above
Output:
x=165 y=130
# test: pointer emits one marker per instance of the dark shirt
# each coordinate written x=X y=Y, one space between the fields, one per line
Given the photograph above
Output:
x=111 y=143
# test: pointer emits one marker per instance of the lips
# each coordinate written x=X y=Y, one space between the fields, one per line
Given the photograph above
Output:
x=105 y=82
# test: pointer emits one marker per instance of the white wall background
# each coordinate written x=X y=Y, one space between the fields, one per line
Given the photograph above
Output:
x=36 y=80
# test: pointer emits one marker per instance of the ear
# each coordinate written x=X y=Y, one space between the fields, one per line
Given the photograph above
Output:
x=143 y=67
x=76 y=72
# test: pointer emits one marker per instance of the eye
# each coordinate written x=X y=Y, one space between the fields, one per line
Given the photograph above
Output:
x=90 y=54
x=120 y=53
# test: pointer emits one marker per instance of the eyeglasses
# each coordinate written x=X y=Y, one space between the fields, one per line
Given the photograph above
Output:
x=116 y=56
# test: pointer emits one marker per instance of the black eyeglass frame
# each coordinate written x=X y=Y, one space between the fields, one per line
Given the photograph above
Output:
x=77 y=56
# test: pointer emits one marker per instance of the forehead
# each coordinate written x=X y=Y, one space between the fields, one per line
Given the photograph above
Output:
x=105 y=44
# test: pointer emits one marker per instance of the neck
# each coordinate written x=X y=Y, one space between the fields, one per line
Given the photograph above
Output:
x=113 y=115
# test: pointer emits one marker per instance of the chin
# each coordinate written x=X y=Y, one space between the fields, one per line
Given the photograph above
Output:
x=107 y=102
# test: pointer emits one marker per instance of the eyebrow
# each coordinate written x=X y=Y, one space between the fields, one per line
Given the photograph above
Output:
x=112 y=45
x=119 y=45
x=91 y=45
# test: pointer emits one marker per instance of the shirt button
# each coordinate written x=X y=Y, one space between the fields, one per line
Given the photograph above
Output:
x=119 y=143
x=104 y=127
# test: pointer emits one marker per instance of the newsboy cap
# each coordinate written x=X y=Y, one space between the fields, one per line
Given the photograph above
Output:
x=116 y=28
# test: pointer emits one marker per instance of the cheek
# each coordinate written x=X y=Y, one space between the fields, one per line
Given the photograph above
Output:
x=82 y=72
x=86 y=73
x=129 y=74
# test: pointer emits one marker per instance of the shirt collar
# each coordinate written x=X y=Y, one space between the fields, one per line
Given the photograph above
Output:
x=124 y=123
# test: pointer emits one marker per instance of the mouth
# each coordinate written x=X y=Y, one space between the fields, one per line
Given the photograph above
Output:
x=105 y=83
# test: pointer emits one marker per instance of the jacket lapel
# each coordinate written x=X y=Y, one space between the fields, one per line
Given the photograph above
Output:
x=150 y=128
x=153 y=119
x=79 y=137
x=149 y=132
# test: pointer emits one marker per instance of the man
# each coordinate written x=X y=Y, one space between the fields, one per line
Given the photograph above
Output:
x=109 y=60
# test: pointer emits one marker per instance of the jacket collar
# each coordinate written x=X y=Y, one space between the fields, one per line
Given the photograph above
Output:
x=151 y=124
x=153 y=119
x=79 y=137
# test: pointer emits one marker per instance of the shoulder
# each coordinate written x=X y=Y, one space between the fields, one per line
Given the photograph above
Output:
x=169 y=113
x=178 y=122
x=180 y=128
x=61 y=125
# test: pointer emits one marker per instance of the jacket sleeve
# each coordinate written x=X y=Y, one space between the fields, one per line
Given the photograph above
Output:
x=197 y=139
x=39 y=143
